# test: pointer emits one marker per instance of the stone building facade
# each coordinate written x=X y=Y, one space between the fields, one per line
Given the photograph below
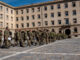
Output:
x=60 y=16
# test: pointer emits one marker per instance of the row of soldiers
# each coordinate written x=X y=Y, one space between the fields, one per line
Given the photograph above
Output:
x=29 y=38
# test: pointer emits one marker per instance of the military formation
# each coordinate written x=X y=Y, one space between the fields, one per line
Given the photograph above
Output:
x=29 y=38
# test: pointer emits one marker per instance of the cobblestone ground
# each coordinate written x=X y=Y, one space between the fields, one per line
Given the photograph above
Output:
x=68 y=49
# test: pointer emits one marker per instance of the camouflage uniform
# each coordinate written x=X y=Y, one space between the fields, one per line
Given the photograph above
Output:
x=0 y=38
x=6 y=41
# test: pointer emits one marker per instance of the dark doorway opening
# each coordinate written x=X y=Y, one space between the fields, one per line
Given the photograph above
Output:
x=68 y=32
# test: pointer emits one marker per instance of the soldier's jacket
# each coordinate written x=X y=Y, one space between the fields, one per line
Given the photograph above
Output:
x=19 y=35
x=6 y=34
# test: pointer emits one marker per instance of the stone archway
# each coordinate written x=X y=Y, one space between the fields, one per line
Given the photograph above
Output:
x=68 y=32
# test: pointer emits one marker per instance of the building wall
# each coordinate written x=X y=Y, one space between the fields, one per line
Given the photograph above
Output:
x=48 y=22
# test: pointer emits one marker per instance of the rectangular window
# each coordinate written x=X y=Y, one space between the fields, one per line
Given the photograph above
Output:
x=22 y=25
x=52 y=22
x=11 y=11
x=66 y=13
x=33 y=17
x=33 y=24
x=74 y=12
x=38 y=9
x=59 y=21
x=17 y=26
x=21 y=11
x=32 y=9
x=52 y=14
x=74 y=20
x=7 y=10
x=17 y=12
x=58 y=6
x=17 y=18
x=66 y=5
x=45 y=15
x=38 y=16
x=39 y=23
x=1 y=8
x=27 y=17
x=73 y=4
x=45 y=8
x=1 y=16
x=22 y=18
x=27 y=10
x=52 y=7
x=66 y=20
x=27 y=24
x=46 y=23
x=59 y=14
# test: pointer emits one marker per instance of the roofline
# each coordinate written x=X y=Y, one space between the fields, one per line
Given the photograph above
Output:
x=44 y=3
x=37 y=4
x=5 y=4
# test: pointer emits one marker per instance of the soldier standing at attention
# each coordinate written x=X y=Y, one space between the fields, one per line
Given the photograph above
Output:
x=6 y=35
x=0 y=38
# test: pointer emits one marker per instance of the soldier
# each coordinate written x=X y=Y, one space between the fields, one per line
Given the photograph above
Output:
x=20 y=39
x=0 y=38
x=16 y=38
x=30 y=38
x=6 y=35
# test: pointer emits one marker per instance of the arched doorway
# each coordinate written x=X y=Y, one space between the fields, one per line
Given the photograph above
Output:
x=68 y=32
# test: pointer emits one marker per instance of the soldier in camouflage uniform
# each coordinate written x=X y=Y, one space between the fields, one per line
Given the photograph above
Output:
x=6 y=35
x=28 y=38
x=0 y=38
x=19 y=36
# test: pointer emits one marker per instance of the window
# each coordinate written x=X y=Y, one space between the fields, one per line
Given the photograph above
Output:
x=32 y=9
x=46 y=23
x=11 y=25
x=52 y=7
x=11 y=18
x=74 y=20
x=52 y=14
x=52 y=22
x=27 y=24
x=38 y=16
x=74 y=12
x=59 y=14
x=1 y=16
x=22 y=18
x=45 y=8
x=7 y=17
x=45 y=15
x=66 y=5
x=11 y=11
x=39 y=23
x=21 y=11
x=38 y=9
x=58 y=6
x=17 y=12
x=7 y=24
x=1 y=8
x=59 y=21
x=27 y=10
x=17 y=18
x=73 y=4
x=33 y=17
x=33 y=24
x=75 y=30
x=17 y=26
x=66 y=13
x=66 y=21
x=22 y=25
x=27 y=17
x=7 y=10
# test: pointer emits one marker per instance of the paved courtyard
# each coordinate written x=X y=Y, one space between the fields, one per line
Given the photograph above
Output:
x=68 y=49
